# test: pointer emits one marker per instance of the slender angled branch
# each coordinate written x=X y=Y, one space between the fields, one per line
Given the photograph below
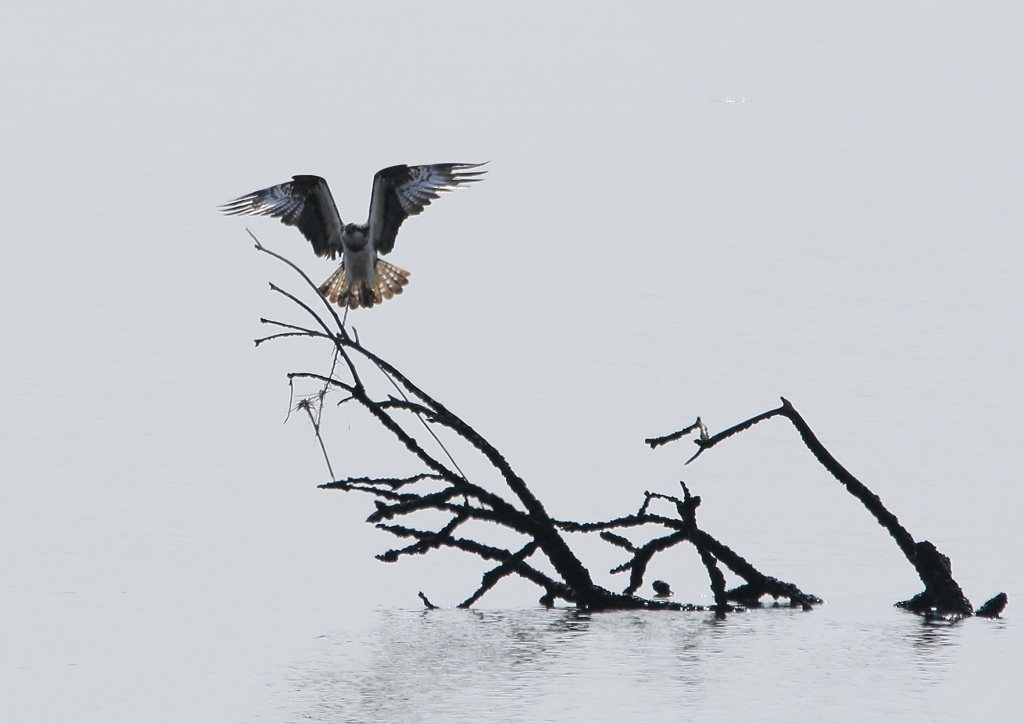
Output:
x=491 y=577
x=282 y=335
x=305 y=277
x=941 y=591
x=637 y=565
x=657 y=441
x=618 y=540
x=710 y=442
x=394 y=483
x=427 y=540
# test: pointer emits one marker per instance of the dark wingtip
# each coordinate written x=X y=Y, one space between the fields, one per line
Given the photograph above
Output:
x=237 y=207
x=461 y=176
x=460 y=173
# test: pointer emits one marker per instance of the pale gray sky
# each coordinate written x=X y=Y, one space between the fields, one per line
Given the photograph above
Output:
x=846 y=233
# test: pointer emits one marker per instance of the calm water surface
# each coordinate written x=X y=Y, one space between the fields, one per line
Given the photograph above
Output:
x=561 y=666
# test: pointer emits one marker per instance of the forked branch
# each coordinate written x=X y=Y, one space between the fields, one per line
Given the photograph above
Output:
x=942 y=596
x=443 y=487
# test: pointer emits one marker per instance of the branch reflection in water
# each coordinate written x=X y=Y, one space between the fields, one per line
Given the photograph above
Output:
x=537 y=665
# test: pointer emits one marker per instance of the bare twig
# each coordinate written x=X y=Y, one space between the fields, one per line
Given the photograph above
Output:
x=942 y=594
x=442 y=485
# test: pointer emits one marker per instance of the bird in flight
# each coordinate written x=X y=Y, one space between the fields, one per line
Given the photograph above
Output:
x=399 y=192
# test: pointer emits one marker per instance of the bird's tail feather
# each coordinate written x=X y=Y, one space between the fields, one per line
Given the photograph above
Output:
x=388 y=281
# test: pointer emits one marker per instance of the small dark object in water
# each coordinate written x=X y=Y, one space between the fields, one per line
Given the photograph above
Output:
x=662 y=589
x=993 y=607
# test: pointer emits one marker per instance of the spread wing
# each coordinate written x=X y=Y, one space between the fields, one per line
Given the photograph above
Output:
x=304 y=202
x=403 y=191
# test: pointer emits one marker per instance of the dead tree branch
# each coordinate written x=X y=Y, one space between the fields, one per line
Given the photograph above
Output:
x=441 y=486
x=942 y=596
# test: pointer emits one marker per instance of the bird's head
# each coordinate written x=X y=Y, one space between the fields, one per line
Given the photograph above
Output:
x=355 y=236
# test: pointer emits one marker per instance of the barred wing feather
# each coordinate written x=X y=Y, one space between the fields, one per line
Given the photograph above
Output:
x=403 y=191
x=304 y=202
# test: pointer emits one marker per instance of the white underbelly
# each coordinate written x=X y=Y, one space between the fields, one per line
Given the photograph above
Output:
x=359 y=266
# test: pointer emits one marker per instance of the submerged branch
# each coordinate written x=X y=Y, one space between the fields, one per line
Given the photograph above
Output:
x=494 y=575
x=942 y=594
x=444 y=488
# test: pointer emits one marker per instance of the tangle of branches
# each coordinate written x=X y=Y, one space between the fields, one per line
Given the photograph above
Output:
x=417 y=421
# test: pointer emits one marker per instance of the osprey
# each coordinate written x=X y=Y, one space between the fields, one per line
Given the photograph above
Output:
x=399 y=192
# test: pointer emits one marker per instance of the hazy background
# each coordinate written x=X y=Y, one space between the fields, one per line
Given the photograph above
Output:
x=846 y=233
